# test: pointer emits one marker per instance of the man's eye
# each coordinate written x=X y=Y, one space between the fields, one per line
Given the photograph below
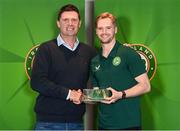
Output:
x=74 y=20
x=65 y=20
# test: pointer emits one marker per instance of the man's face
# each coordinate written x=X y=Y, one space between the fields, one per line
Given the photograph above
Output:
x=105 y=30
x=69 y=23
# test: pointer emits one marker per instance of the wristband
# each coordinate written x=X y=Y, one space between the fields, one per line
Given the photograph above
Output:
x=123 y=94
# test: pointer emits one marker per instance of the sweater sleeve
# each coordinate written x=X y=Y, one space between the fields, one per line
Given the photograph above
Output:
x=39 y=76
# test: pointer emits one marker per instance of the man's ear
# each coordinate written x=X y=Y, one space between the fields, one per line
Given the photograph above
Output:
x=58 y=23
x=116 y=29
x=79 y=23
x=96 y=31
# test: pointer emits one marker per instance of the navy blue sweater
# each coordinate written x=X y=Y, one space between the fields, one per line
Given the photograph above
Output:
x=55 y=71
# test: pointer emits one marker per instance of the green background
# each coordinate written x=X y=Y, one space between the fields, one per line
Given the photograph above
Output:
x=155 y=23
x=23 y=24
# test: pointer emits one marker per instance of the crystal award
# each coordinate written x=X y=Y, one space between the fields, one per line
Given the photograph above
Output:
x=95 y=95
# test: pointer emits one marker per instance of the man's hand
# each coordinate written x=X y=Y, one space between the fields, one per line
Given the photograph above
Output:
x=116 y=95
x=76 y=96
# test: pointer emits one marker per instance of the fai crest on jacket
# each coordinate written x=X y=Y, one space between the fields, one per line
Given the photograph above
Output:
x=28 y=64
x=148 y=56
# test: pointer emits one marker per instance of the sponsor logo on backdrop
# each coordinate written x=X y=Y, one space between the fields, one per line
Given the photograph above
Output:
x=148 y=56
x=29 y=60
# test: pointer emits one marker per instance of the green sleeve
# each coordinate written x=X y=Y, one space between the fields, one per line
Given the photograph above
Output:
x=135 y=64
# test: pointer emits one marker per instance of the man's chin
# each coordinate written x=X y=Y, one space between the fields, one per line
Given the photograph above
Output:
x=70 y=34
x=105 y=42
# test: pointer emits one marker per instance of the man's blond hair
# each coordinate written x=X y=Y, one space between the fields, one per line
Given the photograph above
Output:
x=106 y=15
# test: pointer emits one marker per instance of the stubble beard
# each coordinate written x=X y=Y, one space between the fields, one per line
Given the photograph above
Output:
x=107 y=41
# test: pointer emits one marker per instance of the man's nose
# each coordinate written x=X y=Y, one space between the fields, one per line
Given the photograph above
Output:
x=104 y=30
x=70 y=22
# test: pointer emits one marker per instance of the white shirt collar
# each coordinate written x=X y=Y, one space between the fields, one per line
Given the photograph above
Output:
x=60 y=41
